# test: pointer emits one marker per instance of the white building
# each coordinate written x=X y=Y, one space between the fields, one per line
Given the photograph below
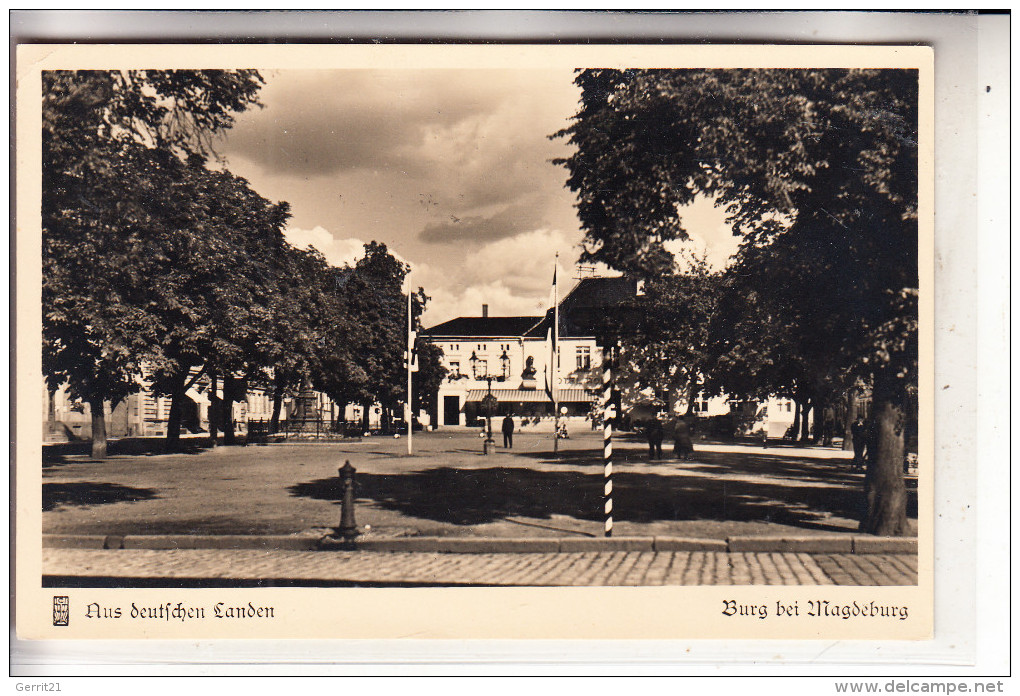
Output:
x=516 y=353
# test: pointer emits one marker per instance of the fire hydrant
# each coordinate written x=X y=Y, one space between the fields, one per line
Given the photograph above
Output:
x=348 y=529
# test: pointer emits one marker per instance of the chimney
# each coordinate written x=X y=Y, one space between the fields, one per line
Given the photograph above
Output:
x=485 y=311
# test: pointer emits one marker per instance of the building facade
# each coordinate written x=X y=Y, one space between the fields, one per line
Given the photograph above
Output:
x=511 y=358
x=143 y=414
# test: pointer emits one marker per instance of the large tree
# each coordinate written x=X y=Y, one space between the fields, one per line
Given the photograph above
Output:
x=217 y=265
x=668 y=343
x=821 y=162
x=107 y=135
x=362 y=361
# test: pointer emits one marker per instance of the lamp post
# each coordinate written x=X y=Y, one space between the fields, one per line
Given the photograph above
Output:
x=487 y=403
x=504 y=363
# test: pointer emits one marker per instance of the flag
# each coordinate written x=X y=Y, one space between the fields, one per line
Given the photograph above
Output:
x=552 y=336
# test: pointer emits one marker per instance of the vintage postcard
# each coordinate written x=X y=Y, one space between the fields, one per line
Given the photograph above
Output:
x=474 y=341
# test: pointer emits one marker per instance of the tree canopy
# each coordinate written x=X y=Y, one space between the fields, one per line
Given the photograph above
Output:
x=817 y=169
x=161 y=266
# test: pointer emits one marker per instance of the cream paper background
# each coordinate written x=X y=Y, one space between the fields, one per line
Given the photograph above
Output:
x=451 y=613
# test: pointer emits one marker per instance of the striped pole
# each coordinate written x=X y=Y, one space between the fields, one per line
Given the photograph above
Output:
x=607 y=437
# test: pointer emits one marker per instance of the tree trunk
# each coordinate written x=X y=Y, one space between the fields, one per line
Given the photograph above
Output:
x=692 y=395
x=796 y=420
x=365 y=422
x=98 y=409
x=805 y=424
x=214 y=405
x=851 y=416
x=274 y=421
x=884 y=489
x=173 y=427
x=229 y=386
x=818 y=428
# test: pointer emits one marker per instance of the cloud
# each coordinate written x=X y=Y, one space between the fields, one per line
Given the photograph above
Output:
x=347 y=252
x=338 y=252
x=513 y=276
x=325 y=121
x=509 y=221
x=708 y=233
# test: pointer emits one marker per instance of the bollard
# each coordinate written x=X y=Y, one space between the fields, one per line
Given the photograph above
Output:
x=348 y=529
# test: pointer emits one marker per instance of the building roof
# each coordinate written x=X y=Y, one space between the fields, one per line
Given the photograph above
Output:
x=581 y=311
x=485 y=326
x=599 y=292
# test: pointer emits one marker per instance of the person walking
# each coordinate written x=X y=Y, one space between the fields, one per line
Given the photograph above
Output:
x=859 y=434
x=683 y=446
x=508 y=432
x=654 y=434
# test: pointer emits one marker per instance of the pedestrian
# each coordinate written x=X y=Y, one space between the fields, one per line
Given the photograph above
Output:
x=859 y=434
x=508 y=432
x=683 y=447
x=654 y=434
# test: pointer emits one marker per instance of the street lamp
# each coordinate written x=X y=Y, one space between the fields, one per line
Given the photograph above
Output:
x=504 y=363
x=488 y=403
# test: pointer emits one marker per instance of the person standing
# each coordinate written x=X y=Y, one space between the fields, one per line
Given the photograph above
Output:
x=654 y=435
x=508 y=432
x=683 y=446
x=859 y=434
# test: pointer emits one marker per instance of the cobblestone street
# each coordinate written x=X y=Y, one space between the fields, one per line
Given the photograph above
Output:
x=248 y=567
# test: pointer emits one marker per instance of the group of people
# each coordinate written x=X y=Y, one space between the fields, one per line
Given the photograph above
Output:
x=683 y=444
x=508 y=431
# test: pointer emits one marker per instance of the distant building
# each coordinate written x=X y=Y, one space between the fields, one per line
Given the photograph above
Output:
x=516 y=352
x=143 y=414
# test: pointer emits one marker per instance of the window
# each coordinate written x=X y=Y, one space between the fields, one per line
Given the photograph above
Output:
x=704 y=407
x=583 y=358
x=455 y=368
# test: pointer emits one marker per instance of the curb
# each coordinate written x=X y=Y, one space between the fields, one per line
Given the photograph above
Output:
x=842 y=544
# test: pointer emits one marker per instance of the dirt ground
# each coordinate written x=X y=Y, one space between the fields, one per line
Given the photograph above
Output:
x=449 y=488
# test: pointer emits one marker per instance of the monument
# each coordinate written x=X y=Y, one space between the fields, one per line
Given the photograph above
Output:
x=305 y=418
x=528 y=375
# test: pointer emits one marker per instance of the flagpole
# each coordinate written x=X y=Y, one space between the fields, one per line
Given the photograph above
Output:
x=410 y=357
x=553 y=365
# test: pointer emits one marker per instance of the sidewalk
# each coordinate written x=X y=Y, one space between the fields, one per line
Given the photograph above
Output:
x=260 y=568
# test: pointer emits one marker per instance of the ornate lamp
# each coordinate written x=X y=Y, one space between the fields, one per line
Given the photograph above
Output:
x=504 y=362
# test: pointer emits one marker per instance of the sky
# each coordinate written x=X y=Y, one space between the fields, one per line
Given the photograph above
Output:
x=451 y=169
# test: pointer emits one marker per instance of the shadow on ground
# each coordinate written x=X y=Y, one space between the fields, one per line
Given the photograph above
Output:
x=84 y=494
x=58 y=453
x=479 y=496
x=820 y=469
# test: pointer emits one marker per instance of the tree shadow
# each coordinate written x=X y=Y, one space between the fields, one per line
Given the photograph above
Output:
x=479 y=496
x=750 y=463
x=72 y=452
x=87 y=493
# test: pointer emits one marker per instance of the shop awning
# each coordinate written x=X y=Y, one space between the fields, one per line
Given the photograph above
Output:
x=531 y=396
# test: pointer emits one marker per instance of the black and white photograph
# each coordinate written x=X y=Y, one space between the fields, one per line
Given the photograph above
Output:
x=487 y=325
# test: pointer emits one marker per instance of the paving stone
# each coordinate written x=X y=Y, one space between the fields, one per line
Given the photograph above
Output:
x=586 y=568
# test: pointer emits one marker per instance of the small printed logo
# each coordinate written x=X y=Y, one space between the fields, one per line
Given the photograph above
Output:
x=61 y=610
